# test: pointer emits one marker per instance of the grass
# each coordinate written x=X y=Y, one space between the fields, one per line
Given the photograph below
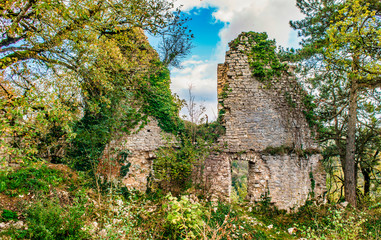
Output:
x=131 y=215
x=24 y=180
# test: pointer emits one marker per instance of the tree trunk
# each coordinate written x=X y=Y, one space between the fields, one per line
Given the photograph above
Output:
x=366 y=173
x=350 y=181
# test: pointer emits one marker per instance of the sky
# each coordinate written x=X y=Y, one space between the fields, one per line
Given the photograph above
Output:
x=214 y=24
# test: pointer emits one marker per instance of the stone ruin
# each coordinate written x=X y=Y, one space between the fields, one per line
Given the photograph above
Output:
x=259 y=121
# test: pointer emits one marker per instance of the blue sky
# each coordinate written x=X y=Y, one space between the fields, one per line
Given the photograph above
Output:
x=214 y=24
x=205 y=29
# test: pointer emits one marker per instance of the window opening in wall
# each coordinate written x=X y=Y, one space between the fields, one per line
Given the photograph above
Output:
x=239 y=175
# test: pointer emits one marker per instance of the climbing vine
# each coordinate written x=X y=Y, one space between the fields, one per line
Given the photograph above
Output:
x=309 y=112
x=263 y=60
x=161 y=104
x=122 y=112
x=266 y=66
x=222 y=96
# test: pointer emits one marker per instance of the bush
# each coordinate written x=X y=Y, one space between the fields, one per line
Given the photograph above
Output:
x=8 y=215
x=184 y=218
x=29 y=179
x=337 y=224
x=48 y=220
x=174 y=165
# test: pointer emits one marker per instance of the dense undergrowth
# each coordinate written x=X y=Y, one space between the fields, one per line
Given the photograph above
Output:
x=64 y=100
x=55 y=202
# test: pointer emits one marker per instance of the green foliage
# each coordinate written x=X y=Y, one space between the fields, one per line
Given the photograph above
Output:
x=114 y=97
x=183 y=156
x=239 y=192
x=289 y=100
x=266 y=65
x=3 y=186
x=336 y=225
x=161 y=103
x=40 y=134
x=282 y=150
x=30 y=179
x=49 y=220
x=93 y=133
x=312 y=180
x=175 y=163
x=225 y=92
x=373 y=224
x=239 y=173
x=95 y=130
x=138 y=216
x=125 y=169
x=227 y=221
x=8 y=215
x=309 y=113
x=263 y=59
x=222 y=96
x=340 y=59
x=209 y=132
x=278 y=150
x=120 y=220
x=99 y=64
x=288 y=55
x=265 y=206
x=219 y=213
x=184 y=218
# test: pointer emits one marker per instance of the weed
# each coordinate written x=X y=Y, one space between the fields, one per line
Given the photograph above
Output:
x=48 y=220
x=337 y=224
x=184 y=217
x=8 y=215
x=29 y=179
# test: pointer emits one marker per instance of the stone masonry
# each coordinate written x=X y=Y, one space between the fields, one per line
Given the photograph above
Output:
x=140 y=148
x=257 y=117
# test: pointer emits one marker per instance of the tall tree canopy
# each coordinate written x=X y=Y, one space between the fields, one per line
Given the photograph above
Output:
x=342 y=42
x=62 y=60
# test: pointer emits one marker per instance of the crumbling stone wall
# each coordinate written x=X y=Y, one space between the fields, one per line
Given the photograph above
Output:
x=217 y=176
x=140 y=150
x=261 y=115
x=290 y=175
x=259 y=118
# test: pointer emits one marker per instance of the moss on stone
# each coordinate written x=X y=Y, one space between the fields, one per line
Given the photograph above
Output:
x=282 y=150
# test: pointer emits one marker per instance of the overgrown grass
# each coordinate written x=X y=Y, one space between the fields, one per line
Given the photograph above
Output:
x=133 y=215
x=47 y=219
x=28 y=179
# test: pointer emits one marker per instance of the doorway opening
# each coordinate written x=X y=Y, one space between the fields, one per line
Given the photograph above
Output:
x=239 y=174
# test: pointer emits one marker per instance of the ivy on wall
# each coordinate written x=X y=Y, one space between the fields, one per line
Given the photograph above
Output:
x=96 y=129
x=222 y=96
x=266 y=66
x=161 y=103
x=263 y=60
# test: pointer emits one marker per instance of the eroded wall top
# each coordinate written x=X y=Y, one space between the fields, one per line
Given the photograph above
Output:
x=260 y=113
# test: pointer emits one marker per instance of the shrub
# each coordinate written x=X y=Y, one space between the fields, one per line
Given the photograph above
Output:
x=8 y=215
x=48 y=220
x=174 y=165
x=184 y=217
x=337 y=224
x=29 y=179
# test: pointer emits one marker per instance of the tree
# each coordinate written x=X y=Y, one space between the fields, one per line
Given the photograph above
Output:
x=97 y=47
x=345 y=37
x=176 y=42
x=45 y=30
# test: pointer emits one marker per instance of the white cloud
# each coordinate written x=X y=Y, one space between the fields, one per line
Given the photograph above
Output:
x=189 y=4
x=271 y=16
x=202 y=76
